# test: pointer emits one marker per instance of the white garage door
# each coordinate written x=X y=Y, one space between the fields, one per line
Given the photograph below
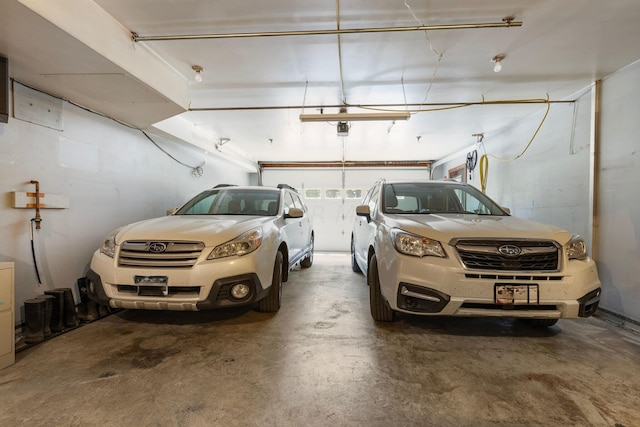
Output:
x=332 y=195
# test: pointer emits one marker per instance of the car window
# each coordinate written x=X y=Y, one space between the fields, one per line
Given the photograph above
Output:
x=288 y=202
x=367 y=197
x=373 y=201
x=232 y=202
x=470 y=203
x=297 y=202
x=198 y=207
x=428 y=198
x=407 y=203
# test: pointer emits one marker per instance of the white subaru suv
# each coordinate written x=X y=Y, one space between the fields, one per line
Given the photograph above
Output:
x=228 y=246
x=444 y=248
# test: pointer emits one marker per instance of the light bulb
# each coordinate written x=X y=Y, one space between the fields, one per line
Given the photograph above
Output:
x=498 y=60
x=198 y=69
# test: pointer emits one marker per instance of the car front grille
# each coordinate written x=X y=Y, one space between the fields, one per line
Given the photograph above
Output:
x=529 y=255
x=159 y=254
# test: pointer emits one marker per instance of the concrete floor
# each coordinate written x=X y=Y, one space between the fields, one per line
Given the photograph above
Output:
x=322 y=361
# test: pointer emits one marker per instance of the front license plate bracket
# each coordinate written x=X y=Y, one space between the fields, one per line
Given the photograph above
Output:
x=152 y=285
x=516 y=294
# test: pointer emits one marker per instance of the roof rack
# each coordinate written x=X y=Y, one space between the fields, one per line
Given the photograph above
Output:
x=286 y=186
x=224 y=185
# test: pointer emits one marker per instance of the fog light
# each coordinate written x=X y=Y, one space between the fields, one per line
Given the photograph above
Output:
x=92 y=288
x=240 y=291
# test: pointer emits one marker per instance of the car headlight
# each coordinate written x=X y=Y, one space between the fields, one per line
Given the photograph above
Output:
x=241 y=245
x=576 y=248
x=414 y=245
x=108 y=246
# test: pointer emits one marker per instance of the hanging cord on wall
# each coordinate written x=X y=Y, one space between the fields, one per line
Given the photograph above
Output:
x=37 y=220
x=33 y=249
x=196 y=171
x=484 y=172
x=484 y=159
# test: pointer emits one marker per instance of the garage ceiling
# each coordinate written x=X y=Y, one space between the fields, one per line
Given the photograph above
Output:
x=263 y=67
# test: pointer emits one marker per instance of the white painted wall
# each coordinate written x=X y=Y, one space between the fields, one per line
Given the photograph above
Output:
x=113 y=176
x=619 y=193
x=550 y=182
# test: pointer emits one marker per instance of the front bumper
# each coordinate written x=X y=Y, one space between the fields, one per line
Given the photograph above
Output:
x=205 y=286
x=433 y=287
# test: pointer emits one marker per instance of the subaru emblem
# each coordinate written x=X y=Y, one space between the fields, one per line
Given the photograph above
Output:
x=157 y=247
x=510 y=250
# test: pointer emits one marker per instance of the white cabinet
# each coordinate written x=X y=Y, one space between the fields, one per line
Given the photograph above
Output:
x=7 y=328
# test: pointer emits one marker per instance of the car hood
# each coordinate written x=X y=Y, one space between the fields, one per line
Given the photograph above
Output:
x=450 y=226
x=209 y=229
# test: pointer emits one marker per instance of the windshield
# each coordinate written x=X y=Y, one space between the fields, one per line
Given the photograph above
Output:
x=427 y=198
x=230 y=201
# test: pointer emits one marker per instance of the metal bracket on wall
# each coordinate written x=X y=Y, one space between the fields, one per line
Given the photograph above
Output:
x=27 y=200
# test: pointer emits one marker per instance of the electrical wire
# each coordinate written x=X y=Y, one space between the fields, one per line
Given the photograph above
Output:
x=484 y=159
x=304 y=97
x=484 y=172
x=437 y=53
x=530 y=141
x=33 y=250
x=342 y=94
x=196 y=171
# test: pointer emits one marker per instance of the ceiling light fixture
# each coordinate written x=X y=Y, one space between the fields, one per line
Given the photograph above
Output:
x=198 y=69
x=498 y=60
x=356 y=117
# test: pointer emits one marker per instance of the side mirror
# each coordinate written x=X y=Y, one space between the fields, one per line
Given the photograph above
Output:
x=507 y=210
x=171 y=211
x=365 y=211
x=294 y=213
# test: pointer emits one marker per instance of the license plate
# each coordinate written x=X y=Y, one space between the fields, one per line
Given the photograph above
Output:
x=152 y=285
x=516 y=294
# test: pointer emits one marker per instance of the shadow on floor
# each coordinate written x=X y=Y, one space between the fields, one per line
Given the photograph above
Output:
x=235 y=315
x=474 y=326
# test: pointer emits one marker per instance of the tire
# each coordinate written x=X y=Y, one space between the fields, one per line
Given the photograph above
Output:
x=542 y=323
x=271 y=303
x=354 y=265
x=380 y=310
x=308 y=261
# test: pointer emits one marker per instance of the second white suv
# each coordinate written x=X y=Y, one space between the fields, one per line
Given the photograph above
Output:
x=228 y=246
x=444 y=248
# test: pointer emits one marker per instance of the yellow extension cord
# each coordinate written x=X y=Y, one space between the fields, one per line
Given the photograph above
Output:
x=484 y=159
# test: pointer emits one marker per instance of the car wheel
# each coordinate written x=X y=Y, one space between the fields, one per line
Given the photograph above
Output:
x=380 y=310
x=543 y=323
x=354 y=265
x=306 y=263
x=271 y=303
